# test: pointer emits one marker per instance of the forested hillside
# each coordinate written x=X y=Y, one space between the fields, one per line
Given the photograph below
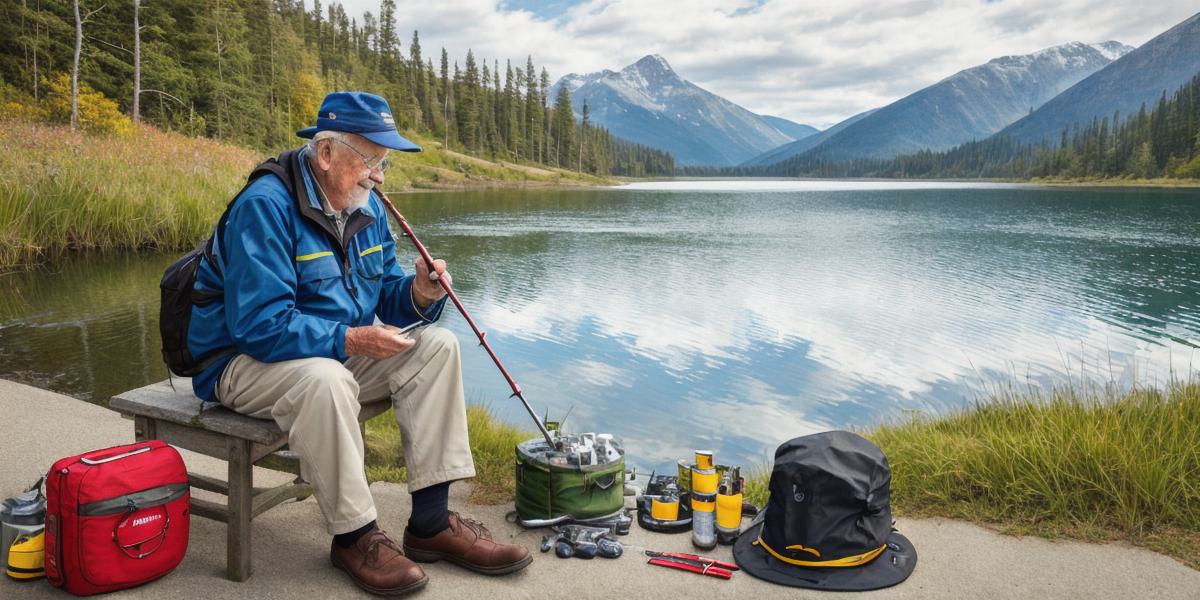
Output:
x=254 y=71
x=1159 y=141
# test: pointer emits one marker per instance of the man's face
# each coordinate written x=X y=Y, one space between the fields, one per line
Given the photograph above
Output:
x=351 y=168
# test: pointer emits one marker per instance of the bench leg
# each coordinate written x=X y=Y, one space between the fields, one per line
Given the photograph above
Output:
x=144 y=429
x=241 y=498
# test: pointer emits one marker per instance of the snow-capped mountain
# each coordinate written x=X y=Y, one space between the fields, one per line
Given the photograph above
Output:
x=1159 y=66
x=969 y=105
x=648 y=103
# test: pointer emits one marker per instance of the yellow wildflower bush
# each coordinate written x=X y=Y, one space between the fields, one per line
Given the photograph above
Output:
x=97 y=113
x=13 y=109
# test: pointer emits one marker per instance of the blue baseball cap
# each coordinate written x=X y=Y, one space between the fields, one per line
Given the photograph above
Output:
x=362 y=114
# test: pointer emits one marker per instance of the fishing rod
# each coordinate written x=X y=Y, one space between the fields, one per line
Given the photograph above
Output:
x=516 y=389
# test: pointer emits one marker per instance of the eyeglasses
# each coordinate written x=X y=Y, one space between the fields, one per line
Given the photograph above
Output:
x=381 y=163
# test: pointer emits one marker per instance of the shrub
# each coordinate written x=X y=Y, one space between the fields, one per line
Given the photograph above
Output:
x=24 y=112
x=17 y=105
x=1189 y=170
x=97 y=113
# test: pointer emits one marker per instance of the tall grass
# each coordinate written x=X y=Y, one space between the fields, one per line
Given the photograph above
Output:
x=158 y=190
x=1088 y=465
x=493 y=446
x=66 y=191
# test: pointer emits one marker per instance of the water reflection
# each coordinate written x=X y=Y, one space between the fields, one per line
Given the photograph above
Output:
x=88 y=328
x=738 y=320
x=733 y=319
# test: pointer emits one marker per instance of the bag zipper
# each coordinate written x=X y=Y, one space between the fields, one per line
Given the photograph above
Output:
x=152 y=497
x=60 y=578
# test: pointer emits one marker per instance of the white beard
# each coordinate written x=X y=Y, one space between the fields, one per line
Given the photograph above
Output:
x=360 y=197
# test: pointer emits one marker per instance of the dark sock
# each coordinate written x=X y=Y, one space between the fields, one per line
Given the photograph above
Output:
x=345 y=540
x=430 y=510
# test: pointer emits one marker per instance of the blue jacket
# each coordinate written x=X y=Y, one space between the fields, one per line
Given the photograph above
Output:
x=289 y=289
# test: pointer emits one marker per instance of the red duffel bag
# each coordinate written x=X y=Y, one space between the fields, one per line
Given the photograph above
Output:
x=116 y=518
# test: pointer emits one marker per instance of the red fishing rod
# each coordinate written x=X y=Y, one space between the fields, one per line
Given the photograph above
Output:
x=516 y=389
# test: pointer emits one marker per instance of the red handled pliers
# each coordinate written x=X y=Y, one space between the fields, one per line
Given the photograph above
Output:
x=693 y=563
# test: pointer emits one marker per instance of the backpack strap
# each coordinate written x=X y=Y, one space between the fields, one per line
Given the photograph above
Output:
x=282 y=167
x=270 y=167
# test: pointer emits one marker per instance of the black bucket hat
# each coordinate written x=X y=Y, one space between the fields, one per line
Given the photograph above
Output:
x=827 y=524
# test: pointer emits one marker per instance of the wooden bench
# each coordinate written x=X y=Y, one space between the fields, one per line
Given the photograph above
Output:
x=174 y=415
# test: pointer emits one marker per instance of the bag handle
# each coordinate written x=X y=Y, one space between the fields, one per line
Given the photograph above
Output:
x=161 y=535
x=93 y=461
x=599 y=480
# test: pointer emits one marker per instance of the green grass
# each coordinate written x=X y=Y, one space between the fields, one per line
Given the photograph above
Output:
x=493 y=446
x=158 y=190
x=1088 y=466
x=435 y=168
x=1080 y=465
x=68 y=191
x=1169 y=182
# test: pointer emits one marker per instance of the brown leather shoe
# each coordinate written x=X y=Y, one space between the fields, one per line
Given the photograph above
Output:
x=469 y=544
x=376 y=564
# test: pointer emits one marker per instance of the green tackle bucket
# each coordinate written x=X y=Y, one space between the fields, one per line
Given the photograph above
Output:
x=550 y=487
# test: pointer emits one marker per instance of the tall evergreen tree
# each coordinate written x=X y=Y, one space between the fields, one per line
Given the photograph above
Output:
x=254 y=71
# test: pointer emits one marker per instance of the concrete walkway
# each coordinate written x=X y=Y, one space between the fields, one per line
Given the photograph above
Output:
x=957 y=560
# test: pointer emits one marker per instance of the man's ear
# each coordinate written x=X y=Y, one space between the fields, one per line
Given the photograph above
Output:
x=325 y=156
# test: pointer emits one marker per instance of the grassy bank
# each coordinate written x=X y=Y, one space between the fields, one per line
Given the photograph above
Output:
x=1165 y=182
x=1083 y=466
x=492 y=446
x=69 y=191
x=1088 y=466
x=152 y=189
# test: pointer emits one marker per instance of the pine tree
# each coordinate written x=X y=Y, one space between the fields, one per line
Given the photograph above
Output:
x=583 y=128
x=466 y=96
x=563 y=127
x=534 y=107
x=510 y=125
x=416 y=75
x=254 y=71
x=389 y=42
x=1142 y=164
x=543 y=96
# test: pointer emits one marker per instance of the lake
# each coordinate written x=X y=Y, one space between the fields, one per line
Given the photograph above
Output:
x=732 y=315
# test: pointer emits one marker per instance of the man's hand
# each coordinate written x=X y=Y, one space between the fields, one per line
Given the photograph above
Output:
x=425 y=288
x=377 y=341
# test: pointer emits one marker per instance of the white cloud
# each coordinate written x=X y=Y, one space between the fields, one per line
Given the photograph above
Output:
x=812 y=62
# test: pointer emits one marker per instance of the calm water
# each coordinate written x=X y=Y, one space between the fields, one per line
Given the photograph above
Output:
x=733 y=315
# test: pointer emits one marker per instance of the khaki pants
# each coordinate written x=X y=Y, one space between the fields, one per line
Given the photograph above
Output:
x=316 y=401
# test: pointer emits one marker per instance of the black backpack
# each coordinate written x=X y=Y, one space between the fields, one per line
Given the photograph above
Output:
x=178 y=285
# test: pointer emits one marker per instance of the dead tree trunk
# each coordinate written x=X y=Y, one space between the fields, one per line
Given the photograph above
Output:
x=75 y=67
x=137 y=63
x=79 y=21
x=37 y=32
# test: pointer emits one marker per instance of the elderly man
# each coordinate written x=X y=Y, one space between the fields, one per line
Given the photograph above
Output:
x=306 y=268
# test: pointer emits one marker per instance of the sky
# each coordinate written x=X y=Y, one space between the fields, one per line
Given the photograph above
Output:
x=812 y=62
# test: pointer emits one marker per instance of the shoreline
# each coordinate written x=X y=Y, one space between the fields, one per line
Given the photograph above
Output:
x=1110 y=183
x=618 y=182
x=501 y=185
x=291 y=547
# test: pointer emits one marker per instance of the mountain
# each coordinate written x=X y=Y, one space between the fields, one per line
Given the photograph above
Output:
x=969 y=105
x=792 y=129
x=648 y=103
x=1141 y=76
x=802 y=145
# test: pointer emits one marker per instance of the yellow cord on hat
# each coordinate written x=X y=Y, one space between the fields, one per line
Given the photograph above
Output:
x=849 y=561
